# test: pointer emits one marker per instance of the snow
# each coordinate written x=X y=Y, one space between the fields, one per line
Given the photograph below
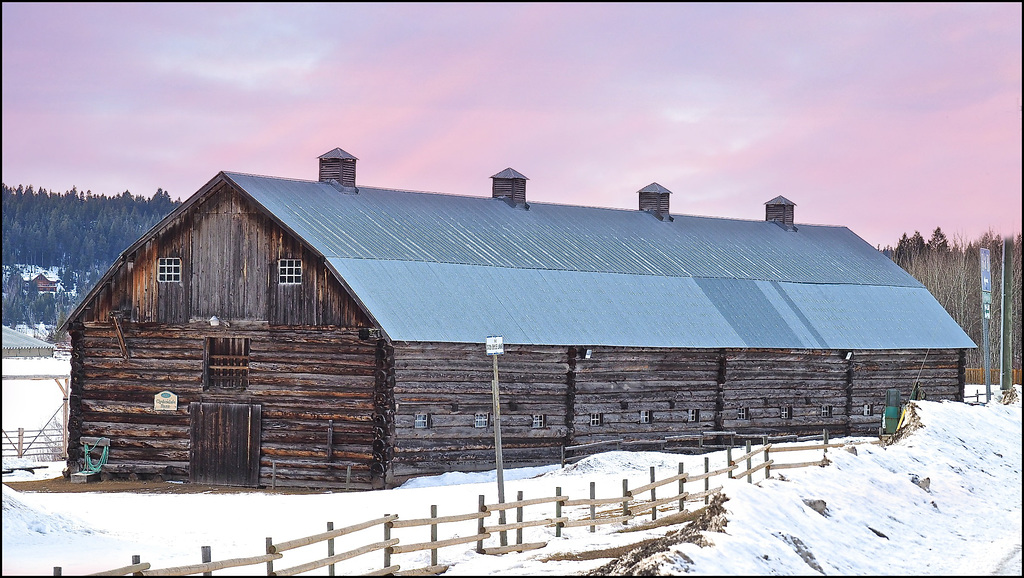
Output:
x=30 y=403
x=945 y=499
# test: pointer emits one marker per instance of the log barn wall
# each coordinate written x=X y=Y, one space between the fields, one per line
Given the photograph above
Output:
x=451 y=383
x=308 y=366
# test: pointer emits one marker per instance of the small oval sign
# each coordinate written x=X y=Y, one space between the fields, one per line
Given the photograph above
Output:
x=165 y=401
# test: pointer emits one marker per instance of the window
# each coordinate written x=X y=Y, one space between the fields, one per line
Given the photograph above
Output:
x=538 y=421
x=645 y=416
x=596 y=419
x=289 y=271
x=867 y=409
x=480 y=420
x=168 y=270
x=742 y=413
x=826 y=411
x=422 y=421
x=227 y=363
x=693 y=415
x=786 y=413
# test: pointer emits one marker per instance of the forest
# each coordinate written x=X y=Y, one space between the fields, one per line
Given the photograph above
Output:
x=81 y=234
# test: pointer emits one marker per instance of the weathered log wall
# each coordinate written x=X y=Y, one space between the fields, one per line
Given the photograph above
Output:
x=451 y=383
x=304 y=379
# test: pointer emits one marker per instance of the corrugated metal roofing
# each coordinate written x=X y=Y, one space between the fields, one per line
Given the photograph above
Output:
x=17 y=344
x=434 y=267
x=509 y=173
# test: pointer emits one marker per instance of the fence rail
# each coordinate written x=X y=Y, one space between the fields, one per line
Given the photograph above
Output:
x=622 y=509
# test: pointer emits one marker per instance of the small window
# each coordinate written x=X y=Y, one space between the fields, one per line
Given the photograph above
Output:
x=289 y=271
x=227 y=362
x=867 y=409
x=786 y=413
x=826 y=411
x=480 y=420
x=693 y=415
x=168 y=270
x=742 y=413
x=422 y=421
x=645 y=416
x=538 y=421
x=596 y=419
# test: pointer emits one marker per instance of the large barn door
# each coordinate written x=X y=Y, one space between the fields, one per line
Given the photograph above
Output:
x=225 y=444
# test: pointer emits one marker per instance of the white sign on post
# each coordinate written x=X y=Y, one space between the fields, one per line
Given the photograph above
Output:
x=165 y=401
x=495 y=346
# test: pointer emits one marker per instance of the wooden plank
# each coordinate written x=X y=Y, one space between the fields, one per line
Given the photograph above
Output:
x=336 y=558
x=402 y=548
x=439 y=520
x=514 y=548
x=323 y=536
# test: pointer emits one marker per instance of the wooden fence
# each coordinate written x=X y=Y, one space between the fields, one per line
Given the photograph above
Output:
x=569 y=513
x=976 y=375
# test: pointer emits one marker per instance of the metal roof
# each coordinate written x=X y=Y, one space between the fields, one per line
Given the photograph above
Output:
x=510 y=173
x=654 y=188
x=435 y=267
x=780 y=200
x=17 y=344
x=337 y=153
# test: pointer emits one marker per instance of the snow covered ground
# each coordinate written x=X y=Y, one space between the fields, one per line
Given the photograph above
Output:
x=962 y=516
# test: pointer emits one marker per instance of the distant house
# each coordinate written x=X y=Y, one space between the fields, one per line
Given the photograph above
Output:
x=308 y=328
x=44 y=282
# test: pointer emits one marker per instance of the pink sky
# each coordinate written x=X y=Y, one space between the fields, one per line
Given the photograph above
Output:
x=883 y=118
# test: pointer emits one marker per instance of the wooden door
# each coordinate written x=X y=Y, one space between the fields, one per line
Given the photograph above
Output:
x=225 y=449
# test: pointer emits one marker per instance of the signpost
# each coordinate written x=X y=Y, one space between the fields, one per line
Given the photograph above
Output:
x=496 y=347
x=1006 y=333
x=986 y=303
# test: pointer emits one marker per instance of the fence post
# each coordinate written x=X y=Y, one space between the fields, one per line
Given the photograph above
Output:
x=57 y=571
x=654 y=509
x=824 y=435
x=270 y=563
x=682 y=487
x=480 y=524
x=273 y=474
x=519 y=517
x=330 y=549
x=136 y=559
x=593 y=508
x=767 y=474
x=387 y=536
x=625 y=499
x=750 y=476
x=348 y=477
x=563 y=455
x=728 y=459
x=433 y=536
x=207 y=557
x=21 y=442
x=707 y=481
x=558 y=513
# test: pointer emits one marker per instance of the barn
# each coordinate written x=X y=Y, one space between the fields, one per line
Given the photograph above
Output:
x=322 y=333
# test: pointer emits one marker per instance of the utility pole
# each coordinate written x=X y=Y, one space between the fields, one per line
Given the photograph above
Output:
x=496 y=347
x=1006 y=304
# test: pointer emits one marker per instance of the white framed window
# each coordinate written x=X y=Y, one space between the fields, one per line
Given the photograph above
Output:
x=786 y=412
x=596 y=419
x=480 y=420
x=422 y=421
x=168 y=270
x=867 y=409
x=538 y=421
x=826 y=411
x=645 y=416
x=693 y=415
x=742 y=413
x=289 y=271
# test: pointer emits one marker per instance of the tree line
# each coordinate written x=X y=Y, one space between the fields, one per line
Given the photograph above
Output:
x=951 y=270
x=80 y=233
